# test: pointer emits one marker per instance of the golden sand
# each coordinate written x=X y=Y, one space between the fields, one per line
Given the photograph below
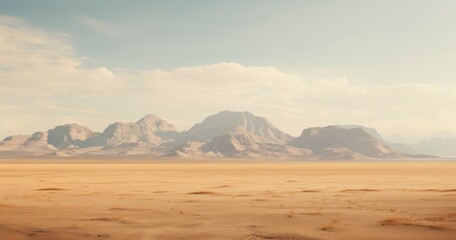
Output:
x=69 y=199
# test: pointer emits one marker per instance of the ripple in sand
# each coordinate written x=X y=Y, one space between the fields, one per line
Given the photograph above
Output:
x=280 y=236
x=361 y=190
x=50 y=189
x=202 y=193
x=310 y=191
x=113 y=219
x=437 y=190
x=407 y=221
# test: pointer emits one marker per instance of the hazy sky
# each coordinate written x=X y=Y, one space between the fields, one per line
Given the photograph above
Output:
x=384 y=64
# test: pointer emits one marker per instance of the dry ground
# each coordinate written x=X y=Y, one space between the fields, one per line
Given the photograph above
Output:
x=69 y=199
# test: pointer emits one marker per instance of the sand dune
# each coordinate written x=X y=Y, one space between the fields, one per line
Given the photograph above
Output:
x=77 y=199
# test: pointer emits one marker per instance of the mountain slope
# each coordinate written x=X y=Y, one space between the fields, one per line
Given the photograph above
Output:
x=371 y=131
x=228 y=122
x=141 y=137
x=404 y=148
x=237 y=134
x=225 y=134
x=149 y=129
x=69 y=135
x=243 y=145
x=35 y=144
x=232 y=145
x=337 y=142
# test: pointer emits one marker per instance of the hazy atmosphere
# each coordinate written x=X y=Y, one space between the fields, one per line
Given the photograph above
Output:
x=252 y=120
x=385 y=64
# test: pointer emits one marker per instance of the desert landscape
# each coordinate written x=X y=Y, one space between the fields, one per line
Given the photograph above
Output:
x=214 y=120
x=219 y=199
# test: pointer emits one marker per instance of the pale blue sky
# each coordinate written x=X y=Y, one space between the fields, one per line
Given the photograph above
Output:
x=388 y=52
x=375 y=41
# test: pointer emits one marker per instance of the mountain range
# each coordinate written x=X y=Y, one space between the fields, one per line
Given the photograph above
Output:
x=226 y=134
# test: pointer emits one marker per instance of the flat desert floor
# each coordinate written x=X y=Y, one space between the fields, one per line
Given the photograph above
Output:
x=226 y=200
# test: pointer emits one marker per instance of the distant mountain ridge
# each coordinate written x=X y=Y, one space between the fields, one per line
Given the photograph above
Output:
x=404 y=148
x=149 y=129
x=69 y=135
x=445 y=147
x=228 y=122
x=353 y=142
x=225 y=134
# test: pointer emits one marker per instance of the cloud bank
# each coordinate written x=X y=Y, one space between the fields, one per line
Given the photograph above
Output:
x=43 y=82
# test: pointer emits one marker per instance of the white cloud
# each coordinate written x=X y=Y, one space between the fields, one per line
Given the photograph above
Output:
x=304 y=102
x=105 y=28
x=26 y=48
x=34 y=62
x=43 y=83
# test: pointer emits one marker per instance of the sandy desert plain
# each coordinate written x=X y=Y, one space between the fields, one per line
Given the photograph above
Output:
x=139 y=199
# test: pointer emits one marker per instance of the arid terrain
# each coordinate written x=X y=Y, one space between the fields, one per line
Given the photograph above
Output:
x=104 y=199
